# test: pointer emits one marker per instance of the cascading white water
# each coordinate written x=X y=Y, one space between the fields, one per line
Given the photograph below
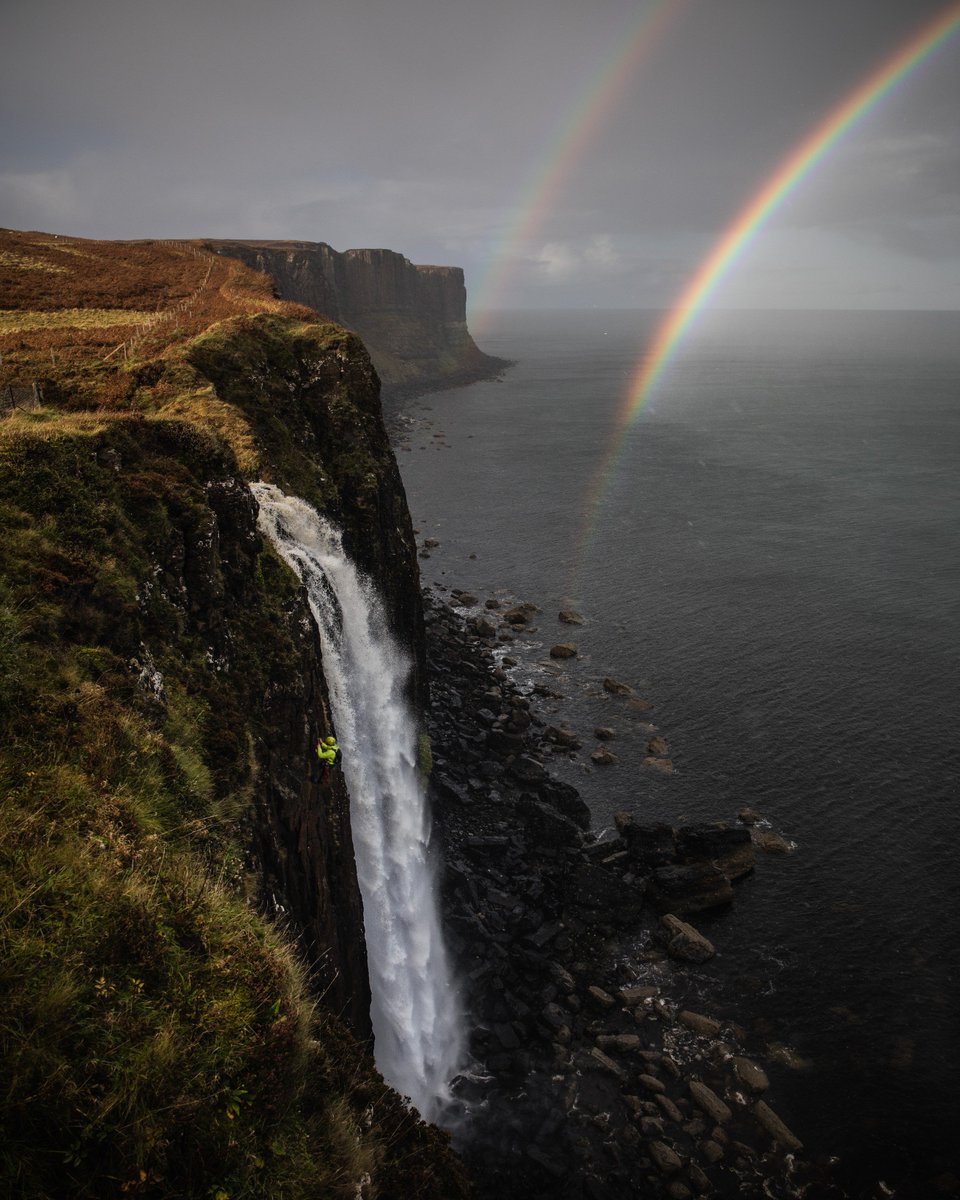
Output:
x=414 y=1010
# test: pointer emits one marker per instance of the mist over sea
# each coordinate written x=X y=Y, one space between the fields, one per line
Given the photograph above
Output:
x=774 y=565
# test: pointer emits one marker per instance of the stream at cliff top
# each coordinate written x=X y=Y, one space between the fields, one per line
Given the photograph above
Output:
x=415 y=1010
x=774 y=567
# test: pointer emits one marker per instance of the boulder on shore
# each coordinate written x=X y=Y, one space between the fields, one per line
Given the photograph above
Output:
x=665 y=765
x=568 y=617
x=729 y=848
x=769 y=1121
x=683 y=941
x=564 y=650
x=689 y=887
x=602 y=757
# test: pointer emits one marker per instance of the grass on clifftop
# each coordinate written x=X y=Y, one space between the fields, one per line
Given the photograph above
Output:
x=158 y=1037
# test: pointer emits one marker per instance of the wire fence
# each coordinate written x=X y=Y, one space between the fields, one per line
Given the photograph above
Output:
x=20 y=397
x=184 y=306
x=28 y=396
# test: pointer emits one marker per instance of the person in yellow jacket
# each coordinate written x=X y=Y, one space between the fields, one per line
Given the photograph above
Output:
x=328 y=752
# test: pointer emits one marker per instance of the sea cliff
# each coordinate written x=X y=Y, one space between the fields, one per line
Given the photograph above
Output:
x=411 y=318
x=187 y=999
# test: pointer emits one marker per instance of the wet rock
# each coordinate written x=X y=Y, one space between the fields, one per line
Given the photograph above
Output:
x=769 y=1121
x=677 y=1190
x=520 y=614
x=636 y=994
x=709 y=1102
x=615 y=688
x=666 y=1159
x=567 y=616
x=603 y=733
x=712 y=1151
x=602 y=757
x=770 y=842
x=482 y=627
x=507 y=1036
x=663 y=765
x=564 y=650
x=698 y=1178
x=600 y=896
x=463 y=599
x=728 y=847
x=546 y=826
x=669 y=1108
x=689 y=888
x=499 y=741
x=601 y=1060
x=651 y=1083
x=622 y=1043
x=657 y=746
x=752 y=1077
x=600 y=998
x=528 y=770
x=648 y=845
x=567 y=799
x=706 y=1026
x=682 y=941
x=562 y=736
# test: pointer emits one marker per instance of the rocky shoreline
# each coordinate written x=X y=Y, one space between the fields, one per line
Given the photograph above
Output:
x=587 y=1079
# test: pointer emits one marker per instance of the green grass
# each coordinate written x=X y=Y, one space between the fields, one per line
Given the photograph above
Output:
x=158 y=1037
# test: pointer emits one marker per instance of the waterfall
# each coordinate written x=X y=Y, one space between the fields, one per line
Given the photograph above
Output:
x=414 y=1010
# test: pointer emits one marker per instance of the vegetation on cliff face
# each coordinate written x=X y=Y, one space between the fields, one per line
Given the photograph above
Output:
x=159 y=692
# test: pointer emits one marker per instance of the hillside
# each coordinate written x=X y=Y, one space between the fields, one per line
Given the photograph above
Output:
x=185 y=990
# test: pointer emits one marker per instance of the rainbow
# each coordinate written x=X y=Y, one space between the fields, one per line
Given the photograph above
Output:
x=593 y=104
x=751 y=218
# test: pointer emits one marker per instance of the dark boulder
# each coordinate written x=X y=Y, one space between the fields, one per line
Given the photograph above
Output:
x=547 y=827
x=728 y=847
x=600 y=895
x=648 y=845
x=689 y=887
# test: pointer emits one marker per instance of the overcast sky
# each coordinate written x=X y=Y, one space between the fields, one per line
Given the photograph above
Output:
x=429 y=126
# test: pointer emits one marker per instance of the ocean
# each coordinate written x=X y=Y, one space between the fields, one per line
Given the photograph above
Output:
x=773 y=565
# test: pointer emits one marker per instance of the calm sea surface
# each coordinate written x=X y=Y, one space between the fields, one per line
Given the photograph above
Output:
x=774 y=565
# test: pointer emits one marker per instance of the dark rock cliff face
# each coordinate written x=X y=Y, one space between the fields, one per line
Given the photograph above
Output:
x=412 y=318
x=161 y=692
x=312 y=401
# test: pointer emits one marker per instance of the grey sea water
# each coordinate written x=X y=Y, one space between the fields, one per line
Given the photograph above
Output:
x=774 y=565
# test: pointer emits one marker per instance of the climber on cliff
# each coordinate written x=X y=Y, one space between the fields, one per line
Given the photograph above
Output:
x=329 y=754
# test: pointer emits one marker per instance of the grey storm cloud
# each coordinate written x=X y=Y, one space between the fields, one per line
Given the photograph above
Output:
x=436 y=126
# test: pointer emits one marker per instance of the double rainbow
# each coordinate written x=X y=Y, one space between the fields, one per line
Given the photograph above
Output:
x=595 y=101
x=751 y=218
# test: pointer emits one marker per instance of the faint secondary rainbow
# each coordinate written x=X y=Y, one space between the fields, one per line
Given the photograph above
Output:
x=593 y=104
x=751 y=218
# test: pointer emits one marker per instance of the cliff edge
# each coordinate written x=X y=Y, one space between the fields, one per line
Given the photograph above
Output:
x=411 y=318
x=187 y=1000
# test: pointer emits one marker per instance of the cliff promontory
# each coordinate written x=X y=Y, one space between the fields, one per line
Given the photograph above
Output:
x=186 y=995
x=411 y=318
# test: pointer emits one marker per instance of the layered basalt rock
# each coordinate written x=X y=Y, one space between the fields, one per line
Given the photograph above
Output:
x=412 y=318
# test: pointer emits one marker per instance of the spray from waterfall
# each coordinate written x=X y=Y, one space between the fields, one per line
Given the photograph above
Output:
x=414 y=1010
